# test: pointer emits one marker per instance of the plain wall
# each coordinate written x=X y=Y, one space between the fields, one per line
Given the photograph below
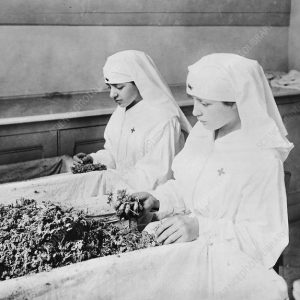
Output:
x=44 y=59
x=294 y=36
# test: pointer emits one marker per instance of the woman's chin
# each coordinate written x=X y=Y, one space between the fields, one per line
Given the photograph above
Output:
x=206 y=126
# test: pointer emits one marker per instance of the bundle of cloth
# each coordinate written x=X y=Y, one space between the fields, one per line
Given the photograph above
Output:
x=35 y=168
x=291 y=80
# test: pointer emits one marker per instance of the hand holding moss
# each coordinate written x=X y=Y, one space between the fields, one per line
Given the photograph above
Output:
x=82 y=158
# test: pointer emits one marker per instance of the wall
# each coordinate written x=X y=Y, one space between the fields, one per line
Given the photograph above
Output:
x=294 y=36
x=41 y=58
x=38 y=59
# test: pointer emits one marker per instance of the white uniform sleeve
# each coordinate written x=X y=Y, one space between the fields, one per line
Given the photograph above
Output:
x=154 y=167
x=104 y=156
x=261 y=225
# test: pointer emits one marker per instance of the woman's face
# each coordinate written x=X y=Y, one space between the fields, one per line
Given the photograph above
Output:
x=215 y=114
x=124 y=94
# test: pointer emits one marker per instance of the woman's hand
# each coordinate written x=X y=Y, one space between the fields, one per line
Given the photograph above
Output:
x=148 y=201
x=82 y=158
x=177 y=229
x=150 y=204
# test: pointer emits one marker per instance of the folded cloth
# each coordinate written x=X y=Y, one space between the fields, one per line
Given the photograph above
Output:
x=291 y=80
x=35 y=168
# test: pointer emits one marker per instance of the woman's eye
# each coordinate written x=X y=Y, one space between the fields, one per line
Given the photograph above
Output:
x=199 y=100
x=108 y=86
x=119 y=87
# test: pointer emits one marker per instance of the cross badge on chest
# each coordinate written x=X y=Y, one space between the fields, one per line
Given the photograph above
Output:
x=132 y=130
x=221 y=172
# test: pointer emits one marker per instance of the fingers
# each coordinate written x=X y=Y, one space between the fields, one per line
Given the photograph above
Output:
x=142 y=196
x=174 y=238
x=178 y=229
x=77 y=161
x=164 y=224
x=80 y=155
x=87 y=159
x=145 y=198
x=148 y=204
x=144 y=220
x=182 y=239
x=82 y=158
x=167 y=235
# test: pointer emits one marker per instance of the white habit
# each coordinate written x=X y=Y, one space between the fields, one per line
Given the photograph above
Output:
x=142 y=141
x=233 y=185
x=237 y=192
x=140 y=145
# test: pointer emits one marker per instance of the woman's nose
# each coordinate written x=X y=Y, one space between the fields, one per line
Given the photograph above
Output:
x=112 y=93
x=197 y=111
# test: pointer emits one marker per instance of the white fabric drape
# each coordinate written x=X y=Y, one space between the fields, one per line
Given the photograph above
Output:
x=160 y=273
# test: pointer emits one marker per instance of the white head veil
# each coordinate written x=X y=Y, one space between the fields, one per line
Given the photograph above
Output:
x=233 y=78
x=133 y=65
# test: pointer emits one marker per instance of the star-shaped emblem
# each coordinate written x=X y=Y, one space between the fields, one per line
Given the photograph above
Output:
x=132 y=130
x=221 y=172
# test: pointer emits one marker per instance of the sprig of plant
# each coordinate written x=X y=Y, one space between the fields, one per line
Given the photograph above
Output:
x=126 y=206
x=84 y=168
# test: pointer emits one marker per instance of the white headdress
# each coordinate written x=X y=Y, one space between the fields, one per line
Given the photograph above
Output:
x=233 y=78
x=133 y=65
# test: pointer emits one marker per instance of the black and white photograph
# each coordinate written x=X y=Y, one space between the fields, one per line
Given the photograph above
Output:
x=150 y=150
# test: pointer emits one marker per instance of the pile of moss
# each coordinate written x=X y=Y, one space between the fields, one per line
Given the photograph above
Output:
x=36 y=238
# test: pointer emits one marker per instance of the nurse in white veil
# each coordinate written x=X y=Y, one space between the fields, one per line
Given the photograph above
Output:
x=142 y=137
x=228 y=192
x=143 y=134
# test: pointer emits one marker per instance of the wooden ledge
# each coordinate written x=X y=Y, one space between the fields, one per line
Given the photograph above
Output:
x=59 y=106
